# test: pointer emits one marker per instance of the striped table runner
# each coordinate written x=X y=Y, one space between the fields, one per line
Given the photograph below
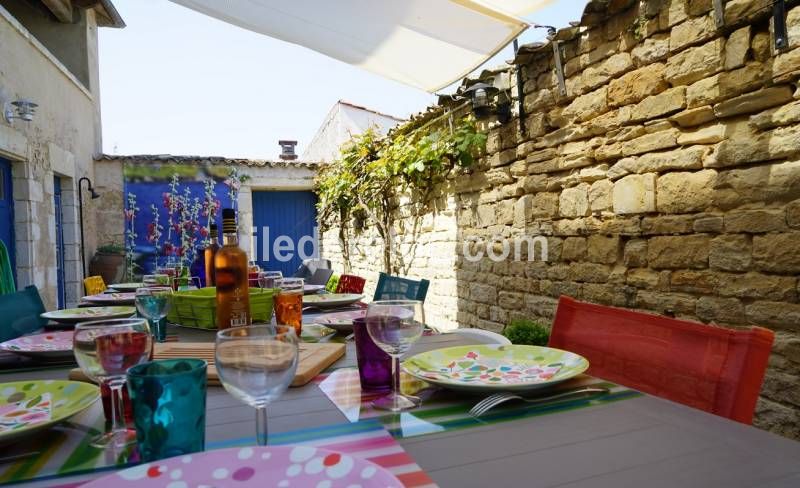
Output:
x=66 y=452
x=443 y=410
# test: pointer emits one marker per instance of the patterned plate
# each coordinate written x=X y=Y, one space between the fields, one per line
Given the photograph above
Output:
x=30 y=406
x=75 y=315
x=109 y=298
x=316 y=333
x=340 y=321
x=495 y=367
x=311 y=289
x=50 y=345
x=126 y=286
x=331 y=300
x=254 y=467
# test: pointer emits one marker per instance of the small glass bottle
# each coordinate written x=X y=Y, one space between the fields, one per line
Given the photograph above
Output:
x=209 y=254
x=230 y=273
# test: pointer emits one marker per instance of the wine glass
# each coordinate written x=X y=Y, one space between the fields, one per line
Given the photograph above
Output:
x=394 y=325
x=153 y=303
x=105 y=349
x=256 y=365
x=267 y=279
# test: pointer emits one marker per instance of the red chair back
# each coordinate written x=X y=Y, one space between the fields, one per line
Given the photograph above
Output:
x=350 y=284
x=708 y=367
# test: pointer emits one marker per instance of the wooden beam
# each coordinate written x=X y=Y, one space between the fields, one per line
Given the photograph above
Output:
x=62 y=9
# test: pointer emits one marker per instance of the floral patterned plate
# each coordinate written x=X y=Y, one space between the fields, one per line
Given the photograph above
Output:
x=254 y=467
x=109 y=298
x=75 y=315
x=331 y=300
x=340 y=321
x=30 y=406
x=123 y=287
x=484 y=368
x=50 y=345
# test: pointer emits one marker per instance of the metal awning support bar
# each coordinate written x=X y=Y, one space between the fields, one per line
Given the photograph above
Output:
x=719 y=13
x=520 y=94
x=779 y=25
x=562 y=84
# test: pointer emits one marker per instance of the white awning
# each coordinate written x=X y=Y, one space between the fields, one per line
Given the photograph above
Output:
x=428 y=44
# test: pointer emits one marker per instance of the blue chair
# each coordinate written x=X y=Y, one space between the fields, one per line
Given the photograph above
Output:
x=20 y=313
x=396 y=288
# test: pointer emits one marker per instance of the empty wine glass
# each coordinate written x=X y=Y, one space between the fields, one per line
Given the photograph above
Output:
x=267 y=279
x=105 y=349
x=394 y=325
x=256 y=365
x=153 y=303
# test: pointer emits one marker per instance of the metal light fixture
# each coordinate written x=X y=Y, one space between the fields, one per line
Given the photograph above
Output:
x=23 y=110
x=481 y=96
x=94 y=196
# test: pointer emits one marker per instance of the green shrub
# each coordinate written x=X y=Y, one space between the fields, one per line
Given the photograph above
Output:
x=111 y=249
x=527 y=332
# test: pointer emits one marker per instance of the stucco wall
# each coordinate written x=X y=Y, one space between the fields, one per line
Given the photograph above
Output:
x=60 y=141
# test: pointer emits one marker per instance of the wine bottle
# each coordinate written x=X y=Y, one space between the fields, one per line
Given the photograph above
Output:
x=209 y=254
x=230 y=274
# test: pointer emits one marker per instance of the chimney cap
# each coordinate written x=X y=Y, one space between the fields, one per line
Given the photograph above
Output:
x=287 y=149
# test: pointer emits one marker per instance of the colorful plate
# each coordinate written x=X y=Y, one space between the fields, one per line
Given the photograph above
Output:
x=109 y=298
x=311 y=289
x=340 y=321
x=75 y=315
x=50 y=345
x=316 y=333
x=331 y=300
x=123 y=287
x=30 y=406
x=495 y=367
x=254 y=467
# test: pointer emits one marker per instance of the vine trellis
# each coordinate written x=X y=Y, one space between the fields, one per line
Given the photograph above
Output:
x=364 y=183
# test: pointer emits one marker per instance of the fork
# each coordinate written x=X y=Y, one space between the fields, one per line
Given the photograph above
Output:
x=492 y=401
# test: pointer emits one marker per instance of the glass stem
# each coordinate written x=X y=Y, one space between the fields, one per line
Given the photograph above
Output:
x=261 y=426
x=396 y=375
x=117 y=406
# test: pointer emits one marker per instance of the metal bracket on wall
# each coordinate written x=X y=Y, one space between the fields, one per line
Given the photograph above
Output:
x=779 y=25
x=520 y=90
x=562 y=85
x=719 y=13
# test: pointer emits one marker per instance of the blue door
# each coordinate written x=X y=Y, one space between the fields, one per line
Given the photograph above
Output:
x=61 y=297
x=284 y=224
x=7 y=211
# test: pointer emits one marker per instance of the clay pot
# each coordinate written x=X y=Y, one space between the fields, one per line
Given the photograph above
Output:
x=111 y=266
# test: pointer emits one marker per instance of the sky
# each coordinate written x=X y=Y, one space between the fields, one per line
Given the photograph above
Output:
x=175 y=81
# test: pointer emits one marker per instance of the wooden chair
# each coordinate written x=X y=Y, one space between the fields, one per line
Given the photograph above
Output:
x=350 y=284
x=712 y=368
x=21 y=313
x=396 y=288
x=94 y=285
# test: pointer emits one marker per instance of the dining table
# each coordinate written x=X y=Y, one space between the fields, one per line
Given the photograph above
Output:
x=635 y=441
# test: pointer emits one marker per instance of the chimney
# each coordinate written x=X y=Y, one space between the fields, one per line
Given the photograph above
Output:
x=287 y=150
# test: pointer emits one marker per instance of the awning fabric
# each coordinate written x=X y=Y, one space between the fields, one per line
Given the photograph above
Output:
x=428 y=44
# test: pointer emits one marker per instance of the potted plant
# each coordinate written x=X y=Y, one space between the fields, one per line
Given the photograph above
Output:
x=109 y=262
x=526 y=332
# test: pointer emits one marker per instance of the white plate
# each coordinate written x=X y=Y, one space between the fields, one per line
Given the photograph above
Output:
x=339 y=321
x=331 y=300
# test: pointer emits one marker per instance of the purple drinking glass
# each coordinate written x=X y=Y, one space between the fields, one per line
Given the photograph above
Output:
x=374 y=365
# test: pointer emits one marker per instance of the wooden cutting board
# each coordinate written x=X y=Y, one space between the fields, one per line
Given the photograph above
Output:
x=314 y=358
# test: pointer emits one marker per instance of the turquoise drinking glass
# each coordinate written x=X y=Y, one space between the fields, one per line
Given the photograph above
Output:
x=169 y=407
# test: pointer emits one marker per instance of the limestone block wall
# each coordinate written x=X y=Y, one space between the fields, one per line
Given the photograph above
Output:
x=667 y=179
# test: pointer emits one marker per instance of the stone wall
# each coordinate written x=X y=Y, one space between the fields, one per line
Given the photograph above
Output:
x=667 y=179
x=59 y=143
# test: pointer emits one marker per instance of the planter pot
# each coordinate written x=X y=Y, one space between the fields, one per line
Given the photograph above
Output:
x=111 y=266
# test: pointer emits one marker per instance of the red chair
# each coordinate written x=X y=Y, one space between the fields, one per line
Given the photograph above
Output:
x=350 y=284
x=708 y=367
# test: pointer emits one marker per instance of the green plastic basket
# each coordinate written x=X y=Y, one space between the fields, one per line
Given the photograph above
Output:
x=198 y=308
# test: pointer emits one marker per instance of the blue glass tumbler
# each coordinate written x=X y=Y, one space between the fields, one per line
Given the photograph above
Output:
x=169 y=407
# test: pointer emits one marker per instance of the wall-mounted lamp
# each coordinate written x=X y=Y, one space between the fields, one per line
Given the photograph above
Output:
x=23 y=110
x=94 y=196
x=481 y=96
